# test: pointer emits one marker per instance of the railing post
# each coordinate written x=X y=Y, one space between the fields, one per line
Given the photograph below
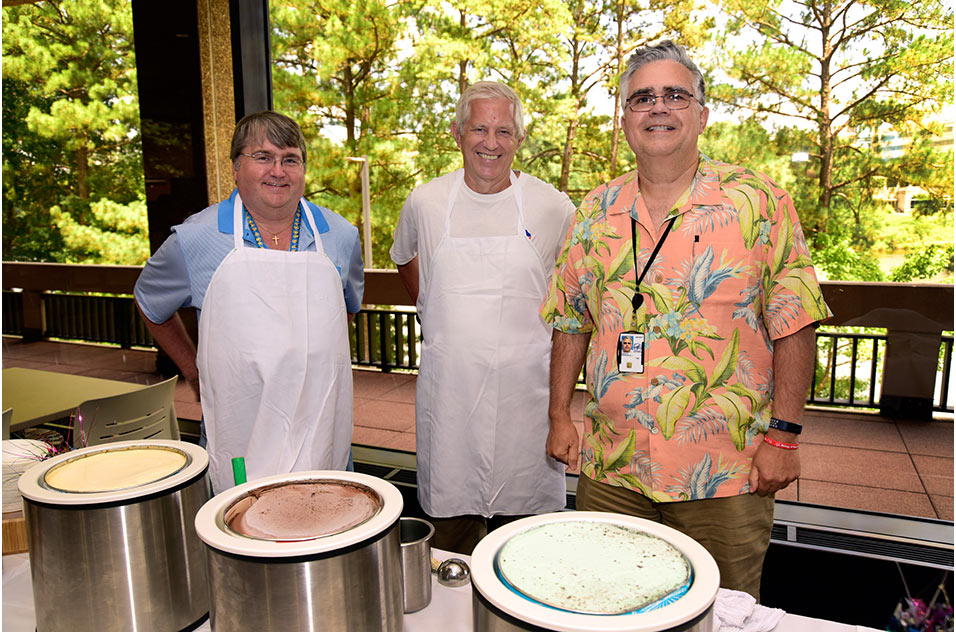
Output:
x=361 y=338
x=124 y=315
x=412 y=335
x=34 y=316
x=383 y=339
x=947 y=368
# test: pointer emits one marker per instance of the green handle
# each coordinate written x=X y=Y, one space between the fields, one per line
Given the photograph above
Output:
x=239 y=470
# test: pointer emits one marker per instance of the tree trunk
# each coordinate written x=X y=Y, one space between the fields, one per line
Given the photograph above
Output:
x=349 y=90
x=351 y=143
x=824 y=124
x=82 y=173
x=462 y=64
x=616 y=117
x=568 y=151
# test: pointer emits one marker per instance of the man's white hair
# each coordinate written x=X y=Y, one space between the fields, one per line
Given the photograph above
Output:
x=489 y=90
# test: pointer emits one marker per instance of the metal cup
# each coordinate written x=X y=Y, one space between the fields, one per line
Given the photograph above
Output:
x=416 y=536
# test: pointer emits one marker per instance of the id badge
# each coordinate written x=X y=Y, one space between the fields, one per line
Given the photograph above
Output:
x=630 y=352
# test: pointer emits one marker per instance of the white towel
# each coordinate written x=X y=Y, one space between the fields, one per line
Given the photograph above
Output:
x=738 y=611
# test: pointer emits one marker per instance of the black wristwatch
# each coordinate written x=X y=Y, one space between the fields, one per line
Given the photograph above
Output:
x=785 y=426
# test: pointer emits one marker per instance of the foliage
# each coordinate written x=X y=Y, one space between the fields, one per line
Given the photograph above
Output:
x=378 y=78
x=836 y=258
x=924 y=241
x=844 y=72
x=925 y=263
x=71 y=141
x=914 y=231
x=748 y=143
x=117 y=233
x=31 y=178
x=334 y=74
x=389 y=91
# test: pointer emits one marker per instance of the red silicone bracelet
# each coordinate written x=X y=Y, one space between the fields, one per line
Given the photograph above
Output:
x=780 y=444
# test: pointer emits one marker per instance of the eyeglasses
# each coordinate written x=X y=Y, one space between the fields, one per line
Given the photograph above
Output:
x=265 y=159
x=672 y=101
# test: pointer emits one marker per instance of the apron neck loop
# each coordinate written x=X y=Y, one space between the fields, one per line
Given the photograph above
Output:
x=239 y=224
x=516 y=191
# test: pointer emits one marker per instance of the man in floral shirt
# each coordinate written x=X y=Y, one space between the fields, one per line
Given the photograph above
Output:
x=704 y=267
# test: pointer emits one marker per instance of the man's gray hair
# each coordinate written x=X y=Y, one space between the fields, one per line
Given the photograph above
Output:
x=489 y=90
x=277 y=128
x=659 y=52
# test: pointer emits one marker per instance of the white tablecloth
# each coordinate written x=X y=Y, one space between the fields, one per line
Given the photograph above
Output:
x=449 y=611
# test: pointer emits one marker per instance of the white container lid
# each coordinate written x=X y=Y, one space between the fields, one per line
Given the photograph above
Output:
x=33 y=485
x=696 y=601
x=211 y=527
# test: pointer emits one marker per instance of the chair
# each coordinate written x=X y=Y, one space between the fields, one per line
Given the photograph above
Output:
x=7 y=418
x=143 y=414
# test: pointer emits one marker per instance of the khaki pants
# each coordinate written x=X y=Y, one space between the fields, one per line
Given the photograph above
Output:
x=460 y=534
x=735 y=530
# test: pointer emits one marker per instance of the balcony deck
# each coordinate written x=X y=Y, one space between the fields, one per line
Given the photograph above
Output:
x=850 y=460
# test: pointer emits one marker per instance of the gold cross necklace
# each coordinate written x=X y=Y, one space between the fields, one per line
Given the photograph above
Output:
x=275 y=236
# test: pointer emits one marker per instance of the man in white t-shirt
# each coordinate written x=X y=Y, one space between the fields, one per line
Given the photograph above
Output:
x=475 y=248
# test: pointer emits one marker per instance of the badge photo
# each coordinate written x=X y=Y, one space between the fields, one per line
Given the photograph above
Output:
x=630 y=352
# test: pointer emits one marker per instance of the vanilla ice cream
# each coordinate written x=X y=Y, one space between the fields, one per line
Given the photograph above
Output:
x=110 y=470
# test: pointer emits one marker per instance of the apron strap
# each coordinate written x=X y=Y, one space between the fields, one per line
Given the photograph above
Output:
x=239 y=226
x=520 y=228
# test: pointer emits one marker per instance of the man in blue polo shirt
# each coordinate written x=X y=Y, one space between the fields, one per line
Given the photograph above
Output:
x=273 y=366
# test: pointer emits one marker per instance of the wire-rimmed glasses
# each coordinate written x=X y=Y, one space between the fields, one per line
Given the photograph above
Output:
x=673 y=100
x=265 y=159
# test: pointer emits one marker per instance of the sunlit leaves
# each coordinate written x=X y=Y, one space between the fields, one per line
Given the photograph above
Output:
x=71 y=131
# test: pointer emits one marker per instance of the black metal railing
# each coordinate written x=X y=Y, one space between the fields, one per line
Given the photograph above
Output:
x=385 y=339
x=942 y=402
x=109 y=319
x=849 y=370
x=12 y=313
x=844 y=378
x=848 y=374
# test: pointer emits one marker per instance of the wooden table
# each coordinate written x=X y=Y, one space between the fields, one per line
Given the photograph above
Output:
x=39 y=397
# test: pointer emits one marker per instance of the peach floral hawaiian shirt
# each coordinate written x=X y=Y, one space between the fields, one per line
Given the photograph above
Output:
x=733 y=275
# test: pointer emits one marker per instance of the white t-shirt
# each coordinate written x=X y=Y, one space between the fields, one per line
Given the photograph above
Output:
x=547 y=213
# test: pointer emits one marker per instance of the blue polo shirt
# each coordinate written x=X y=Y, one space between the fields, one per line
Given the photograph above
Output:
x=179 y=272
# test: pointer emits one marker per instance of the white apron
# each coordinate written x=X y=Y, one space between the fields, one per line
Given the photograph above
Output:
x=481 y=402
x=275 y=373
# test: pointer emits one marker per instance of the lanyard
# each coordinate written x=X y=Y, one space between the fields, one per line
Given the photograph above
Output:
x=638 y=299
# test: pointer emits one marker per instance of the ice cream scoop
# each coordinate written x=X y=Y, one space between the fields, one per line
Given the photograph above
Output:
x=453 y=572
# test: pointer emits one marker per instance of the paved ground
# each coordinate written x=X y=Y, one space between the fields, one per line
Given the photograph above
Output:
x=850 y=460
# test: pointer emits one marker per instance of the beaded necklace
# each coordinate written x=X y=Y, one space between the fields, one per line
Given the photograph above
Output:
x=296 y=223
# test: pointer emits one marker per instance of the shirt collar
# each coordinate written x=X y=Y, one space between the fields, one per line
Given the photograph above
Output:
x=225 y=219
x=703 y=191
